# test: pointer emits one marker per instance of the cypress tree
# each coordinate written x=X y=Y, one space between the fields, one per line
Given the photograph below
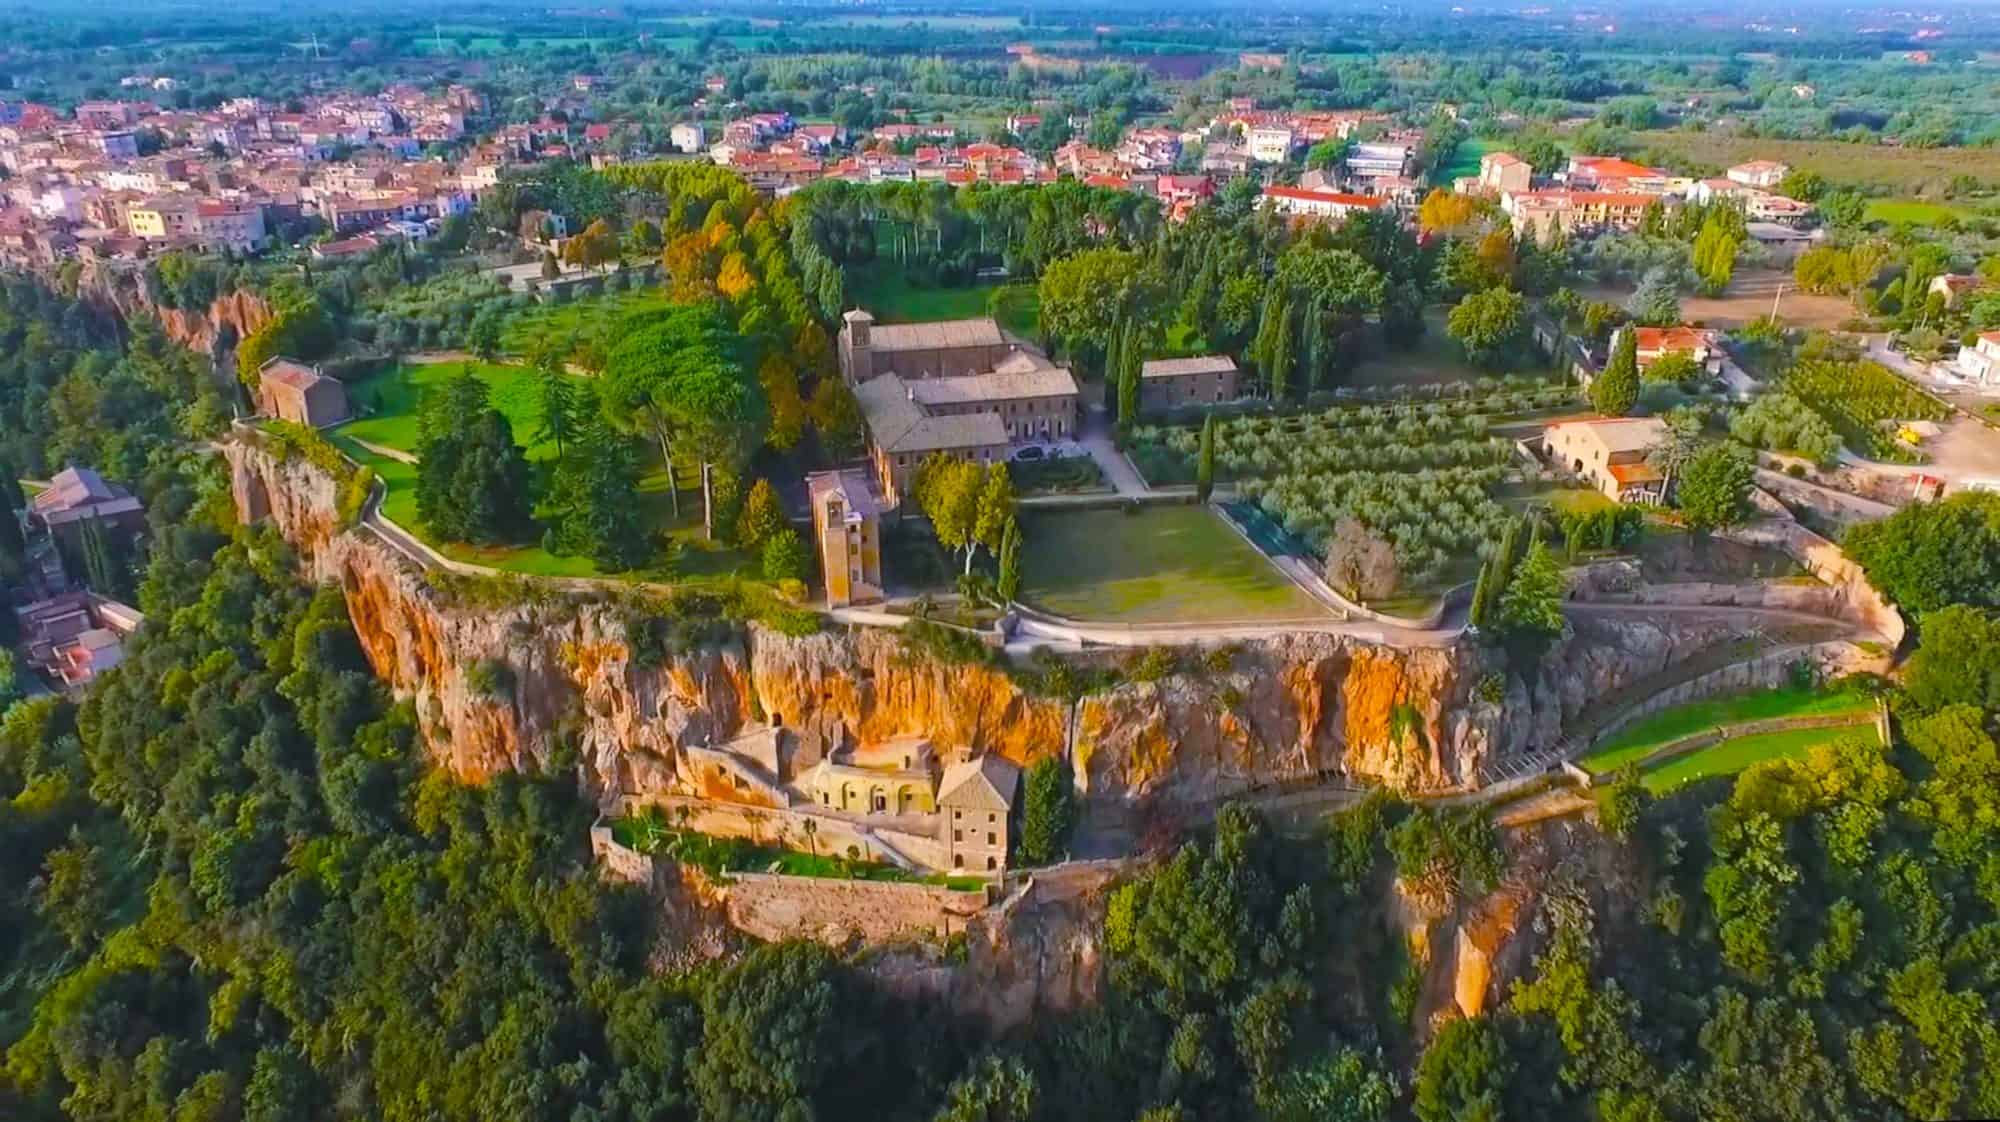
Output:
x=1128 y=381
x=1476 y=615
x=1503 y=564
x=97 y=566
x=1616 y=390
x=1280 y=372
x=1009 y=584
x=1204 y=468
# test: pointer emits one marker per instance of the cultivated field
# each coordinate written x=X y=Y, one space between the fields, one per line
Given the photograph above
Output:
x=1906 y=170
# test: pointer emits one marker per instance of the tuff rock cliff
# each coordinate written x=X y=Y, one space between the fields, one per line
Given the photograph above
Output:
x=1289 y=708
x=213 y=331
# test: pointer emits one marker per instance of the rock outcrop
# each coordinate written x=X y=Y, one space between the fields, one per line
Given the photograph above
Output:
x=213 y=331
x=1294 y=708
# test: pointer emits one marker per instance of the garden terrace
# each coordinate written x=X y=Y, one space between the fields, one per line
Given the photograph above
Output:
x=649 y=834
x=1739 y=752
x=1633 y=744
x=1161 y=564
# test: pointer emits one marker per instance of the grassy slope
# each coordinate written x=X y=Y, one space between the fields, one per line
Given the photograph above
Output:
x=1903 y=169
x=1167 y=563
x=1636 y=741
x=1732 y=756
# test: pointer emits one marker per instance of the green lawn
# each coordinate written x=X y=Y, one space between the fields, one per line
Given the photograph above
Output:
x=393 y=398
x=395 y=395
x=1911 y=212
x=1732 y=756
x=1640 y=739
x=1436 y=359
x=1465 y=159
x=1174 y=563
x=574 y=319
x=890 y=295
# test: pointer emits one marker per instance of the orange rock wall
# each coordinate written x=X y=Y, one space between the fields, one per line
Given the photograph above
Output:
x=1295 y=708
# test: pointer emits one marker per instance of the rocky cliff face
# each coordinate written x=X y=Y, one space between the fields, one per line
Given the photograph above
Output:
x=1290 y=708
x=212 y=331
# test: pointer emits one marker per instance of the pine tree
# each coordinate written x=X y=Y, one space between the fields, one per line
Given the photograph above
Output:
x=1204 y=468
x=1009 y=584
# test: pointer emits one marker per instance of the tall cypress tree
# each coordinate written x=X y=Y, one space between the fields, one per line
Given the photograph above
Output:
x=13 y=548
x=1009 y=584
x=1204 y=468
x=1616 y=390
x=1128 y=380
x=1476 y=615
x=99 y=571
x=1281 y=358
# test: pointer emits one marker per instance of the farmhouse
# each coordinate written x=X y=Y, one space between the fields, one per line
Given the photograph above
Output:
x=1980 y=362
x=1499 y=172
x=1655 y=343
x=1169 y=383
x=292 y=391
x=1610 y=455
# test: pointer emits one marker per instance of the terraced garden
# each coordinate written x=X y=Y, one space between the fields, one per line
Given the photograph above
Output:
x=1650 y=744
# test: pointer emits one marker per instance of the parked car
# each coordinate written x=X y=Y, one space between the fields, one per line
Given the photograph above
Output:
x=1033 y=453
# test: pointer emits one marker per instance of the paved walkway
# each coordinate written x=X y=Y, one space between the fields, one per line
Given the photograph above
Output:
x=1096 y=439
x=384 y=450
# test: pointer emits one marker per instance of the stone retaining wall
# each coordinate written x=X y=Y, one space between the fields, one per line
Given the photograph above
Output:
x=774 y=907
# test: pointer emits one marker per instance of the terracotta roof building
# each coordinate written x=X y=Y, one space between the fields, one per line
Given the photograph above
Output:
x=292 y=391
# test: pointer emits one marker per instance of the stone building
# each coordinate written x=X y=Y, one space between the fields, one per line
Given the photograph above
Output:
x=847 y=529
x=1170 y=383
x=975 y=798
x=946 y=349
x=962 y=387
x=892 y=777
x=292 y=391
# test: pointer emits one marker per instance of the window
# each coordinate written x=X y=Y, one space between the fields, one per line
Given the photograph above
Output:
x=958 y=835
x=990 y=839
x=825 y=799
x=957 y=814
x=991 y=818
x=958 y=860
x=991 y=864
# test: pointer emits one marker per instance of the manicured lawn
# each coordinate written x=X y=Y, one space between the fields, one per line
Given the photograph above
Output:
x=1732 y=756
x=890 y=295
x=580 y=318
x=1636 y=741
x=394 y=397
x=1175 y=563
